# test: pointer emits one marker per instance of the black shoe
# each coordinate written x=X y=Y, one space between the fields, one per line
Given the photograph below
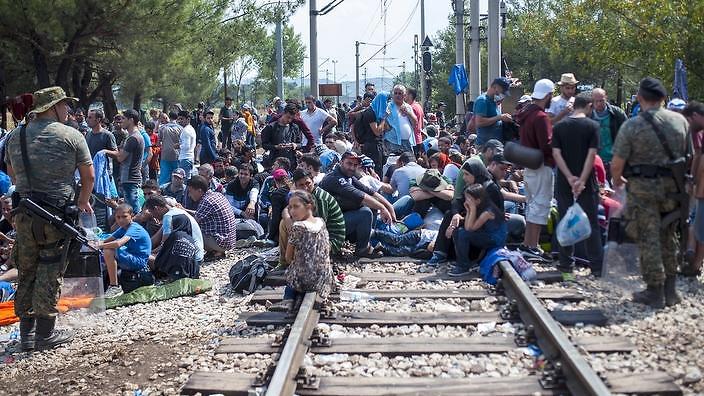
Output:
x=653 y=296
x=47 y=337
x=370 y=254
x=27 y=334
x=534 y=253
x=690 y=272
x=671 y=295
x=457 y=271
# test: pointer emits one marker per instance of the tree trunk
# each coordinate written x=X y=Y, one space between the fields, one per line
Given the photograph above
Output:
x=85 y=85
x=3 y=97
x=137 y=101
x=109 y=105
x=40 y=67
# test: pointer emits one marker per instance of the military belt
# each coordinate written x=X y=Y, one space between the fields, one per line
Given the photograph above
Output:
x=648 y=171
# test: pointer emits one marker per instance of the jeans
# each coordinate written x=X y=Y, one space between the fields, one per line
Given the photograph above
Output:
x=393 y=148
x=403 y=206
x=167 y=168
x=480 y=239
x=589 y=201
x=290 y=293
x=443 y=245
x=186 y=165
x=131 y=196
x=358 y=227
x=398 y=244
x=251 y=140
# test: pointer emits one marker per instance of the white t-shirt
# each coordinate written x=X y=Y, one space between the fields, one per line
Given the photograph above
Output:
x=187 y=143
x=314 y=121
x=405 y=126
x=195 y=228
x=558 y=104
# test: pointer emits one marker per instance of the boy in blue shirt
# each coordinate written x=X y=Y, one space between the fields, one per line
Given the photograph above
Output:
x=129 y=248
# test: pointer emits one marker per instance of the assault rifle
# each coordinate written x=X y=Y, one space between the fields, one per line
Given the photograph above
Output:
x=33 y=209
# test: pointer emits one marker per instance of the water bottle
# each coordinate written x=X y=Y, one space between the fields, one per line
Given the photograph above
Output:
x=87 y=220
x=349 y=295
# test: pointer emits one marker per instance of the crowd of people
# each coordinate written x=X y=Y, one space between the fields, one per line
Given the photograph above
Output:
x=383 y=177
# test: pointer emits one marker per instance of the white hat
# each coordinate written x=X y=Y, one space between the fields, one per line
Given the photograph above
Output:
x=524 y=99
x=543 y=88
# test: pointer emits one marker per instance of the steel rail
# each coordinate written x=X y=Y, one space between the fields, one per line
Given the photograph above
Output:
x=580 y=378
x=283 y=381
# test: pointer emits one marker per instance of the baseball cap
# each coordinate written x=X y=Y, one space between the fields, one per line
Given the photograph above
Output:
x=279 y=174
x=505 y=83
x=676 y=104
x=495 y=144
x=500 y=159
x=543 y=88
x=366 y=162
x=524 y=99
x=179 y=172
x=351 y=154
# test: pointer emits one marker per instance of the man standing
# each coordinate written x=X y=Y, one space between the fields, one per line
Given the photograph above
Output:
x=41 y=246
x=641 y=155
x=440 y=114
x=694 y=111
x=332 y=110
x=169 y=136
x=208 y=150
x=574 y=144
x=411 y=95
x=83 y=126
x=536 y=133
x=369 y=133
x=282 y=138
x=227 y=117
x=315 y=118
x=488 y=119
x=130 y=158
x=99 y=138
x=358 y=203
x=562 y=105
x=400 y=122
x=187 y=143
x=610 y=119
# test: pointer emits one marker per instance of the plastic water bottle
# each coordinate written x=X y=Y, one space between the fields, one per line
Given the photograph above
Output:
x=349 y=295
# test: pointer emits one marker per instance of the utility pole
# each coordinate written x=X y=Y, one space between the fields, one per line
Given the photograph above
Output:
x=459 y=53
x=224 y=79
x=334 y=78
x=423 y=94
x=494 y=42
x=313 y=48
x=356 y=68
x=365 y=77
x=327 y=76
x=279 y=54
x=475 y=71
x=416 y=75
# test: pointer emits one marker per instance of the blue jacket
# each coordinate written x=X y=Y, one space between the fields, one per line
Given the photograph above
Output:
x=208 y=151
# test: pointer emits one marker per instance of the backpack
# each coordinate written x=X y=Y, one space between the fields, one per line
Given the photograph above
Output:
x=246 y=228
x=248 y=273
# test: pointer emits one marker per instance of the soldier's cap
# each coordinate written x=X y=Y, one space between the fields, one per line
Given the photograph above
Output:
x=45 y=98
x=653 y=86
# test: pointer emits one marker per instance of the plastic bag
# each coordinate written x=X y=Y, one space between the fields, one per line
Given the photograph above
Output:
x=574 y=226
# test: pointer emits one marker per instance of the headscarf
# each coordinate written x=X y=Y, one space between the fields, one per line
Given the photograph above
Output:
x=180 y=222
x=476 y=167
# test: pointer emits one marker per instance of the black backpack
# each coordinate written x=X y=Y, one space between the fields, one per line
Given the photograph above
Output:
x=248 y=273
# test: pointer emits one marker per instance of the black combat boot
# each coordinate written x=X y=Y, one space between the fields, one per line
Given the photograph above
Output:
x=27 y=334
x=47 y=337
x=671 y=295
x=653 y=295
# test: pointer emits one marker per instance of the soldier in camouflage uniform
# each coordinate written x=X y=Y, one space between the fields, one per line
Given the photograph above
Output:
x=54 y=152
x=639 y=154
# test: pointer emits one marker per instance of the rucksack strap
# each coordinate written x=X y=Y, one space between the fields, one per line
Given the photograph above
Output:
x=660 y=134
x=25 y=157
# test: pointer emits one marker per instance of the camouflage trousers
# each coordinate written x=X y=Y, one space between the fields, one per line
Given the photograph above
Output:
x=40 y=268
x=646 y=202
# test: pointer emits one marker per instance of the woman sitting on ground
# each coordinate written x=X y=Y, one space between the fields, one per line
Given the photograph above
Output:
x=177 y=256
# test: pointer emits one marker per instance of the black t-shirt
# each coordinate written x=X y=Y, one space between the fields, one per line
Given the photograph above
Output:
x=226 y=125
x=240 y=195
x=347 y=191
x=362 y=130
x=131 y=167
x=104 y=140
x=574 y=137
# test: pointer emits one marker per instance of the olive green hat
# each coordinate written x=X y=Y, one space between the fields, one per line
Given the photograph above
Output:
x=45 y=98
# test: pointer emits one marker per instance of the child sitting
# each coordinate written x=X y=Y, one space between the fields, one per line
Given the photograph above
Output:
x=129 y=248
x=484 y=228
x=308 y=250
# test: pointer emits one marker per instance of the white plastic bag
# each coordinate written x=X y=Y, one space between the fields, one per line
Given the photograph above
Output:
x=573 y=227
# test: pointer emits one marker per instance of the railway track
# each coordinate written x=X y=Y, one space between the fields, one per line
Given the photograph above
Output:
x=563 y=369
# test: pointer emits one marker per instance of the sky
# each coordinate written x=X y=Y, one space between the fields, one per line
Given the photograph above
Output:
x=362 y=20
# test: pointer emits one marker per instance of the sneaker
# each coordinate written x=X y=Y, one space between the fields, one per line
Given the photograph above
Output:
x=113 y=291
x=532 y=252
x=457 y=271
x=437 y=259
x=568 y=277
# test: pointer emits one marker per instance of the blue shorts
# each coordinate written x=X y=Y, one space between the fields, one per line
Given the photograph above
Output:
x=130 y=262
